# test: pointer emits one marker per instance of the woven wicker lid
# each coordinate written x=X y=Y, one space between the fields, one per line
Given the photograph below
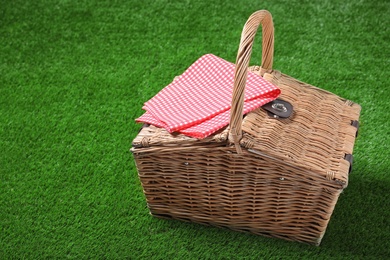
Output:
x=318 y=136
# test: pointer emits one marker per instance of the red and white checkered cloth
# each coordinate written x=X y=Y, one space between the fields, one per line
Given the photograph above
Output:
x=197 y=103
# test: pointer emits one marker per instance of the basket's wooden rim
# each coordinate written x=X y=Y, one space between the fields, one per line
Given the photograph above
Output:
x=264 y=18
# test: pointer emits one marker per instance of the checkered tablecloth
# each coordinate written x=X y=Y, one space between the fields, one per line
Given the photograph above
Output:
x=197 y=103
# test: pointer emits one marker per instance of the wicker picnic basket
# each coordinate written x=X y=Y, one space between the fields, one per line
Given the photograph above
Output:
x=264 y=174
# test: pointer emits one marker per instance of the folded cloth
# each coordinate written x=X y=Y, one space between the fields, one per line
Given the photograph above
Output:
x=198 y=102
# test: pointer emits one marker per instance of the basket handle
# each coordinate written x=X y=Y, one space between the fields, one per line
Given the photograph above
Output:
x=264 y=18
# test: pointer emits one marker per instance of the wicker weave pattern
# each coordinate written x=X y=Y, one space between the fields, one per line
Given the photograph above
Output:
x=275 y=177
x=255 y=194
x=318 y=135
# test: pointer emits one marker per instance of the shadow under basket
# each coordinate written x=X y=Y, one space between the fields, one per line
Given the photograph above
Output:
x=263 y=174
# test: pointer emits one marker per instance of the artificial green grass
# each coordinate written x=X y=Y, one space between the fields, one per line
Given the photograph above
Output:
x=74 y=76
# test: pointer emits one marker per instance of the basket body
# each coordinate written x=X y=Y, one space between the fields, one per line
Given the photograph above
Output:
x=285 y=186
